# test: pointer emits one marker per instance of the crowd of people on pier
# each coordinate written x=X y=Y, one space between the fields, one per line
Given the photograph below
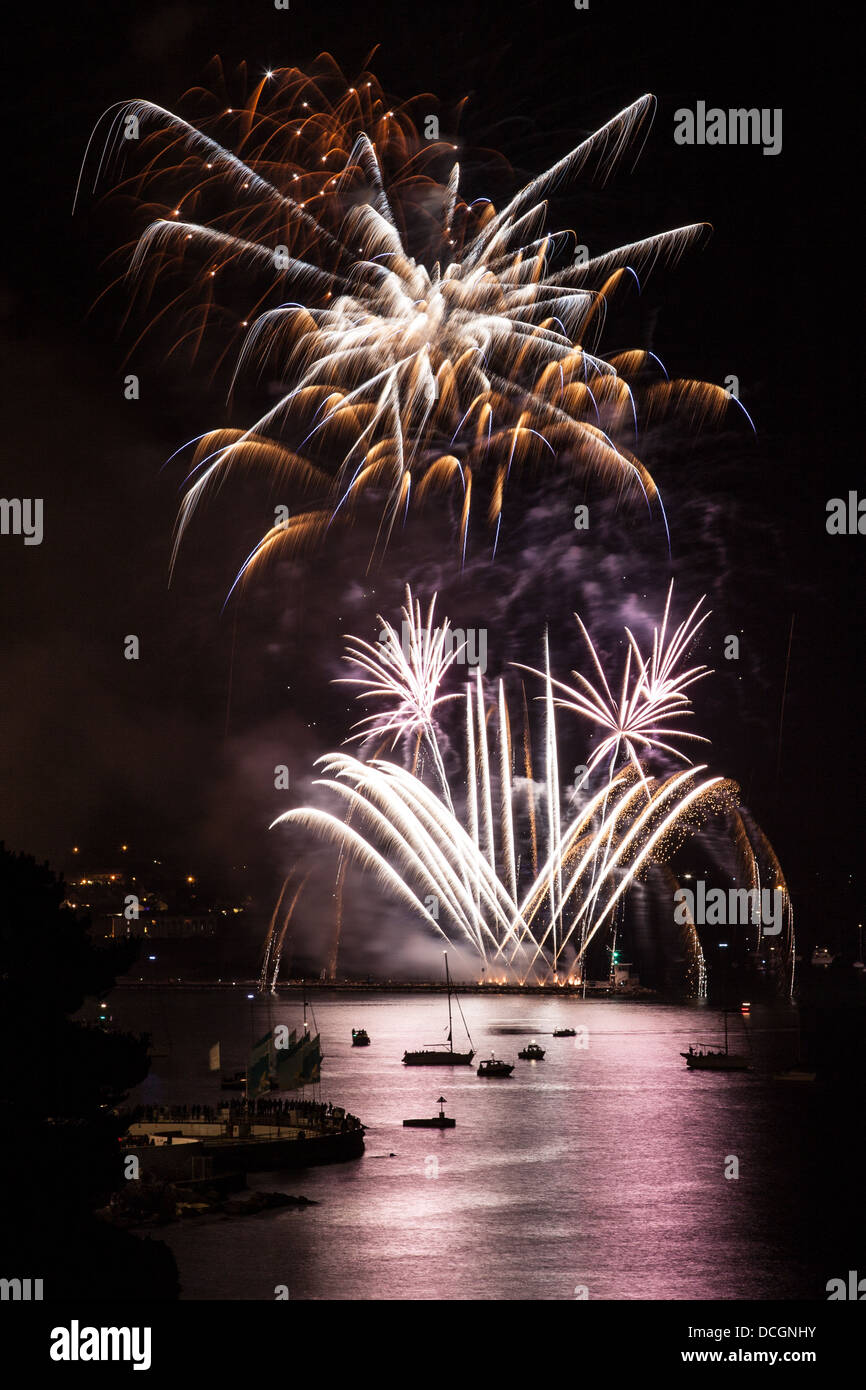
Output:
x=315 y=1114
x=269 y=1107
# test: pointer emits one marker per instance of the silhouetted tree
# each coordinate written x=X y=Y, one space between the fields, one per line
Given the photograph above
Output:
x=63 y=1082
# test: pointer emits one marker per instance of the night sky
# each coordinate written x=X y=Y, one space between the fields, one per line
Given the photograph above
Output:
x=158 y=752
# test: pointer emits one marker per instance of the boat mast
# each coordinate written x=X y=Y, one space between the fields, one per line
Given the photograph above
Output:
x=448 y=984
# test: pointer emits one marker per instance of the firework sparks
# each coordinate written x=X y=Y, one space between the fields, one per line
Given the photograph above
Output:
x=417 y=343
x=405 y=669
x=460 y=871
x=652 y=693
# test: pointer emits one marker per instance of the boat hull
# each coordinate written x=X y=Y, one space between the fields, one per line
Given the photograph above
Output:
x=437 y=1059
x=717 y=1062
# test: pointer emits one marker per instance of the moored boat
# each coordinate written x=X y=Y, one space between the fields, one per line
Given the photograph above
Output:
x=491 y=1066
x=702 y=1058
x=709 y=1059
x=437 y=1057
x=434 y=1056
x=565 y=1032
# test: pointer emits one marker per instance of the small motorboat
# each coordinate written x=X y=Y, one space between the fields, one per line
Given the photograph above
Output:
x=491 y=1066
x=532 y=1053
x=440 y=1121
x=565 y=1032
x=360 y=1037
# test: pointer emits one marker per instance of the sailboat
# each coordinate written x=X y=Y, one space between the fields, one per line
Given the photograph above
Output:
x=435 y=1056
x=703 y=1058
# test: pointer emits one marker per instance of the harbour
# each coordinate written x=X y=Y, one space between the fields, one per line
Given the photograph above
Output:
x=588 y=1169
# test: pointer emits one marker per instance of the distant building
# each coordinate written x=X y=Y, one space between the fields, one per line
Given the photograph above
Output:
x=101 y=877
x=161 y=926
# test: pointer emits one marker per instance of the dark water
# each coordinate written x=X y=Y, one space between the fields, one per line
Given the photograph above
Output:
x=601 y=1167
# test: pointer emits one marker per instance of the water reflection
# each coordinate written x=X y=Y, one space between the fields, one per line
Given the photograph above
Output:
x=603 y=1165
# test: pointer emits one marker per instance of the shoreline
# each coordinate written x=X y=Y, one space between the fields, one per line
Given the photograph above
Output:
x=298 y=987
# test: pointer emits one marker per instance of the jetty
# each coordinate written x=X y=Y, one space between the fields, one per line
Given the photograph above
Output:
x=177 y=1143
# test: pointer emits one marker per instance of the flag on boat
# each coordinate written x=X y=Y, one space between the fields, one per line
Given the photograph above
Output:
x=298 y=1063
x=260 y=1067
x=311 y=1062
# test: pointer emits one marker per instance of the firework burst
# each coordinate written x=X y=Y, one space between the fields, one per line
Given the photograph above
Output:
x=416 y=343
x=652 y=693
x=461 y=862
x=405 y=670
